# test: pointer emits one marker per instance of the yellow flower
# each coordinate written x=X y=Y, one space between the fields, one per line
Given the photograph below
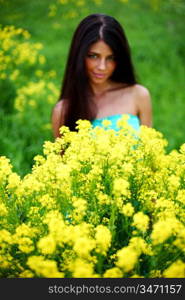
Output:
x=181 y=196
x=13 y=181
x=42 y=59
x=25 y=230
x=163 y=229
x=173 y=182
x=182 y=148
x=82 y=269
x=83 y=246
x=5 y=168
x=43 y=267
x=141 y=221
x=47 y=245
x=52 y=74
x=14 y=74
x=127 y=210
x=155 y=273
x=127 y=258
x=39 y=73
x=26 y=274
x=5 y=260
x=140 y=246
x=25 y=244
x=83 y=125
x=121 y=187
x=56 y=226
x=47 y=201
x=180 y=240
x=5 y=236
x=3 y=210
x=113 y=273
x=176 y=270
x=136 y=276
x=103 y=238
x=80 y=206
x=103 y=198
x=106 y=123
x=122 y=123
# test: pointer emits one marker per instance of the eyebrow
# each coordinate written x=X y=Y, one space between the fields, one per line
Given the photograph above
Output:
x=94 y=52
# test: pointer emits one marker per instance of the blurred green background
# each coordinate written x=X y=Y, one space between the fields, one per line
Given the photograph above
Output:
x=32 y=63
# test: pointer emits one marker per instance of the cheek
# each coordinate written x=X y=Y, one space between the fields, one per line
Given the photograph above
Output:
x=114 y=65
x=89 y=64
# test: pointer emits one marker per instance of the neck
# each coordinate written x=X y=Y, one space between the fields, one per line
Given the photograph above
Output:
x=101 y=89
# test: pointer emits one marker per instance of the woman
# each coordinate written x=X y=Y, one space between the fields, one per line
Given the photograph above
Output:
x=99 y=81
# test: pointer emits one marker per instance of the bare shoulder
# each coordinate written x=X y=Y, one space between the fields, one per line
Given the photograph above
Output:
x=141 y=95
x=57 y=119
x=141 y=91
x=143 y=104
x=58 y=107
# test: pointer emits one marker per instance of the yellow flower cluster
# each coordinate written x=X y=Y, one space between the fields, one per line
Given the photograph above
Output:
x=18 y=52
x=176 y=270
x=27 y=95
x=15 y=52
x=112 y=205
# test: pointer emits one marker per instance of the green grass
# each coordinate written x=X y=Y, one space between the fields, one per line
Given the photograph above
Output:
x=158 y=49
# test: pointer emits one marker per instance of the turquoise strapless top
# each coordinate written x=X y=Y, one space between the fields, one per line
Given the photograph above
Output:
x=132 y=121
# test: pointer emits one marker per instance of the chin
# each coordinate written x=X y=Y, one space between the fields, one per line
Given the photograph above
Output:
x=98 y=80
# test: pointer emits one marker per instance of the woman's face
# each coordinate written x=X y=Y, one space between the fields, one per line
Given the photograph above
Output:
x=100 y=63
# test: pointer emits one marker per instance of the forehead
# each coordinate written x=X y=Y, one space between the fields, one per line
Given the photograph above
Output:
x=101 y=47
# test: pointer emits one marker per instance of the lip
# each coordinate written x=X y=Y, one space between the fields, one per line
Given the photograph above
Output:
x=98 y=75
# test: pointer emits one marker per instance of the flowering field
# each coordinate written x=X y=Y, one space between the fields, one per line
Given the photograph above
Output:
x=96 y=204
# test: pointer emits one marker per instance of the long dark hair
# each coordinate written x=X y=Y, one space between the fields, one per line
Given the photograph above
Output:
x=76 y=92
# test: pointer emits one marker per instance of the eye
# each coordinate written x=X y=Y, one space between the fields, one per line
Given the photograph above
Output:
x=111 y=57
x=92 y=55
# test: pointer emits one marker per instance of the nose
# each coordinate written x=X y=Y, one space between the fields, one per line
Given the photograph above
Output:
x=102 y=64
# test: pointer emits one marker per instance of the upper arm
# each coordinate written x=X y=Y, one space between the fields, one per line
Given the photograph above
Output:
x=144 y=104
x=56 y=118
